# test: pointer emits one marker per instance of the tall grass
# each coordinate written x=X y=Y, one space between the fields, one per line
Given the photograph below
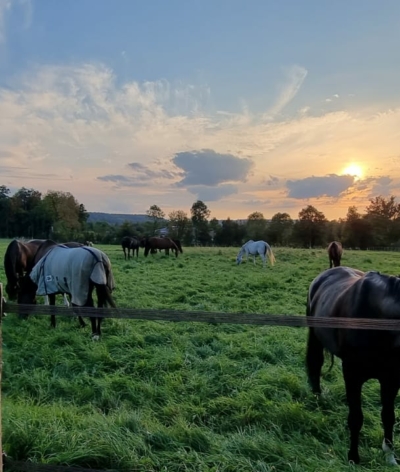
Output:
x=164 y=396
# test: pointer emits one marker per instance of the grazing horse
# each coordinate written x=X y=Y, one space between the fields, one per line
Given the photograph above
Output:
x=88 y=243
x=256 y=247
x=335 y=251
x=18 y=260
x=76 y=271
x=152 y=243
x=178 y=245
x=129 y=243
x=366 y=354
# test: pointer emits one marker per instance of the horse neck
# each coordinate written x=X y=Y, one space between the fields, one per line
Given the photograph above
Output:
x=11 y=261
x=41 y=251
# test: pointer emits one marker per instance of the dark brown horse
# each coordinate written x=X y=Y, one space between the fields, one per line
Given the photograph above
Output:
x=178 y=245
x=152 y=243
x=19 y=261
x=76 y=271
x=335 y=251
x=128 y=243
x=366 y=354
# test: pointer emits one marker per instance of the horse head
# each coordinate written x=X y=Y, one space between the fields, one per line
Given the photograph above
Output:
x=239 y=258
x=26 y=293
x=12 y=289
x=143 y=242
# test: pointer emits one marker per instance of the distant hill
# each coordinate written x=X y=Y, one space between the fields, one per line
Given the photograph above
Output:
x=116 y=218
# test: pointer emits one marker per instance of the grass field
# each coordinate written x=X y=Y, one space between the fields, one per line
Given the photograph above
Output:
x=159 y=396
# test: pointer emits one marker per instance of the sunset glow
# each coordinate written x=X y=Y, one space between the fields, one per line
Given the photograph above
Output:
x=354 y=170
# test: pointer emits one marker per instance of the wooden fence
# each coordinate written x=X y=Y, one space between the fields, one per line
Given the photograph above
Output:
x=174 y=316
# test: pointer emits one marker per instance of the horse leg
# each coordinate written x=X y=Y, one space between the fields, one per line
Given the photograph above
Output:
x=124 y=252
x=355 y=418
x=389 y=389
x=314 y=361
x=93 y=319
x=51 y=300
x=167 y=251
x=330 y=262
x=66 y=302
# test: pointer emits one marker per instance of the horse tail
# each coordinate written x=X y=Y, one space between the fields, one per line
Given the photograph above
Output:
x=269 y=253
x=174 y=247
x=108 y=297
x=332 y=362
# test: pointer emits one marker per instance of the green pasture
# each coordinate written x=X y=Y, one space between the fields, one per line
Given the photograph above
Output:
x=164 y=396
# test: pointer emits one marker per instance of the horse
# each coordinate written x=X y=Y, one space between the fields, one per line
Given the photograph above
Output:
x=18 y=260
x=335 y=251
x=88 y=243
x=76 y=271
x=158 y=243
x=256 y=247
x=129 y=243
x=178 y=245
x=366 y=354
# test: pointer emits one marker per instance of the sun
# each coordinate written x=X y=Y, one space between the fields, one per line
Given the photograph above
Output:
x=353 y=169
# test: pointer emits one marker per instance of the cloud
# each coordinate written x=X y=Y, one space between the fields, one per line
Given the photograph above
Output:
x=294 y=80
x=314 y=187
x=134 y=142
x=272 y=181
x=207 y=167
x=6 y=6
x=212 y=194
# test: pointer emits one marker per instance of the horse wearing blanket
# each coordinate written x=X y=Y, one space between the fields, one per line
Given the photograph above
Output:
x=75 y=271
x=256 y=247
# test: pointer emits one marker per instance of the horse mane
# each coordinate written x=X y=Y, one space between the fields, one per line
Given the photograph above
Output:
x=10 y=261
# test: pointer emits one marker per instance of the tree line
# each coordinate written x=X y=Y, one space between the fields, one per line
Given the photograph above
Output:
x=59 y=216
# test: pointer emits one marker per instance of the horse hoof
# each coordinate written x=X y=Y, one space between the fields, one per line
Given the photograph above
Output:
x=95 y=337
x=353 y=458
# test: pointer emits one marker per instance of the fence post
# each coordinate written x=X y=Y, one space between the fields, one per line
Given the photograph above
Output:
x=1 y=371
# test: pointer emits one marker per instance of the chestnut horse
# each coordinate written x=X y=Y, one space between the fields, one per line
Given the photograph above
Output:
x=152 y=243
x=178 y=245
x=335 y=251
x=128 y=243
x=366 y=354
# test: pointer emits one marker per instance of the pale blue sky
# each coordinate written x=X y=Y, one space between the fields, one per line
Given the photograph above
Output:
x=89 y=87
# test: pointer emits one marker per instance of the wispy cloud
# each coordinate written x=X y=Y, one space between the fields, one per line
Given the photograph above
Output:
x=294 y=80
x=5 y=6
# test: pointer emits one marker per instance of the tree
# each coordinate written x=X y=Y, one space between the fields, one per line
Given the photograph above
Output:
x=382 y=215
x=5 y=211
x=256 y=226
x=310 y=228
x=388 y=209
x=280 y=229
x=24 y=202
x=64 y=211
x=178 y=224
x=200 y=214
x=156 y=215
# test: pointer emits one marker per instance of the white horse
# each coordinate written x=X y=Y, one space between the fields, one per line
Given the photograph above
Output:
x=254 y=248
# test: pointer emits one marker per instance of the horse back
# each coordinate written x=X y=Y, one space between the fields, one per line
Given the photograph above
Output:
x=350 y=293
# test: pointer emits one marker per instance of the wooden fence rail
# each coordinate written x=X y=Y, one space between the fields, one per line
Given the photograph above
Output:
x=203 y=317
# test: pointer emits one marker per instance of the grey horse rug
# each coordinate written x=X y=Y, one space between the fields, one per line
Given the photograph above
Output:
x=69 y=270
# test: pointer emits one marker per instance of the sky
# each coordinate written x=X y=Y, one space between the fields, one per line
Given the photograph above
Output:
x=252 y=105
